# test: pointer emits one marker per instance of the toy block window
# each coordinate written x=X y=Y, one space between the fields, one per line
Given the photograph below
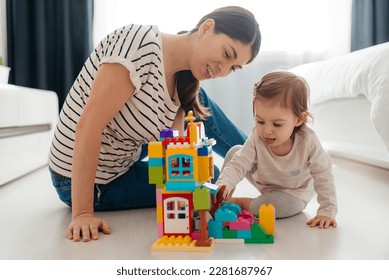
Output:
x=170 y=210
x=176 y=208
x=181 y=207
x=181 y=167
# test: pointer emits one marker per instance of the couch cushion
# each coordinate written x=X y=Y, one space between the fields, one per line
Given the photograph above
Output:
x=363 y=72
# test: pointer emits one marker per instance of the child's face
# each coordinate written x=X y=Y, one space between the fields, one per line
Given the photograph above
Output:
x=274 y=125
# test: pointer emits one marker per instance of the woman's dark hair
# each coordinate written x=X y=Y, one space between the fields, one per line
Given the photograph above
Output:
x=238 y=24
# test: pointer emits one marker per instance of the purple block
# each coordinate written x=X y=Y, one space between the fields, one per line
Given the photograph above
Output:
x=166 y=133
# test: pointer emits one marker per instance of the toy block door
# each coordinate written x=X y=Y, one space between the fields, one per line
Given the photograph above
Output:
x=176 y=215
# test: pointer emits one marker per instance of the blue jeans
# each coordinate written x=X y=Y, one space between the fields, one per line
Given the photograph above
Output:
x=219 y=127
x=132 y=189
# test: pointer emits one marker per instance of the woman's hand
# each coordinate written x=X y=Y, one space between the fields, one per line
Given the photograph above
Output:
x=86 y=226
x=322 y=222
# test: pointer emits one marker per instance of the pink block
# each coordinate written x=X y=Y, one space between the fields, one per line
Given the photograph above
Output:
x=196 y=235
x=158 y=196
x=240 y=224
x=246 y=214
x=160 y=229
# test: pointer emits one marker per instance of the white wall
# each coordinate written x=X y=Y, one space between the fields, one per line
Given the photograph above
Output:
x=322 y=30
x=293 y=32
x=3 y=31
x=294 y=26
x=234 y=93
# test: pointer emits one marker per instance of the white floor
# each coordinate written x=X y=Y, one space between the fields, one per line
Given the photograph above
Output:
x=33 y=222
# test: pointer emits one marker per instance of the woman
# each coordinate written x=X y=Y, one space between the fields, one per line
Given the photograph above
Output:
x=137 y=82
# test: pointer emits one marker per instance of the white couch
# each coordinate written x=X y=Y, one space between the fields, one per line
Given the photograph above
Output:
x=27 y=121
x=350 y=101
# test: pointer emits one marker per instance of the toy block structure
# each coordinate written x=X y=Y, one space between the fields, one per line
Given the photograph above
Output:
x=181 y=167
x=230 y=222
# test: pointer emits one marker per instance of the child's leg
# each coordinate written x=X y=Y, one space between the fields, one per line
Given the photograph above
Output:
x=285 y=205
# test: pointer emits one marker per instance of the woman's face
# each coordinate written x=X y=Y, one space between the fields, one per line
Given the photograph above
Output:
x=217 y=55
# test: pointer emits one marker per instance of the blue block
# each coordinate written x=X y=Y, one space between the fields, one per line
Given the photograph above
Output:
x=243 y=234
x=204 y=151
x=156 y=161
x=232 y=207
x=215 y=229
x=181 y=186
x=225 y=215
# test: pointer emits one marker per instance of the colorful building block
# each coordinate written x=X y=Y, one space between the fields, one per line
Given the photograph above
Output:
x=181 y=167
x=155 y=150
x=202 y=200
x=267 y=218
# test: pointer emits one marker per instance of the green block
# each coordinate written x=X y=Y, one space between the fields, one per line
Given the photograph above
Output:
x=201 y=199
x=268 y=240
x=156 y=175
x=257 y=231
x=230 y=234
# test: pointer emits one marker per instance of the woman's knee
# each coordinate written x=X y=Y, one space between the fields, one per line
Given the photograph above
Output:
x=65 y=194
x=62 y=186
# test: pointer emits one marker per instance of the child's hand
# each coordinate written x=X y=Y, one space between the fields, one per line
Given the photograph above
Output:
x=243 y=202
x=322 y=222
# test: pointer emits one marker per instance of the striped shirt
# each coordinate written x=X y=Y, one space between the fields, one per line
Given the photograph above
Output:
x=143 y=116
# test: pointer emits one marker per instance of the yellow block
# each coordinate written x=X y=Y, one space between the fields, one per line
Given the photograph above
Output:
x=180 y=244
x=267 y=218
x=204 y=171
x=156 y=150
x=159 y=214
